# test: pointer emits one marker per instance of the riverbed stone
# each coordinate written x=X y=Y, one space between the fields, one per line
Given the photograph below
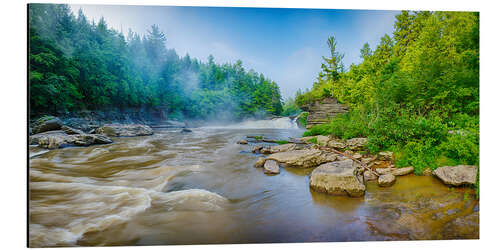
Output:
x=369 y=176
x=357 y=143
x=395 y=171
x=336 y=144
x=386 y=180
x=303 y=158
x=46 y=123
x=242 y=142
x=124 y=130
x=260 y=162
x=337 y=178
x=322 y=140
x=257 y=149
x=278 y=148
x=71 y=131
x=457 y=175
x=58 y=138
x=271 y=167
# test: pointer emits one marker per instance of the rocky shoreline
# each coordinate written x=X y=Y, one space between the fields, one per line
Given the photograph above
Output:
x=343 y=167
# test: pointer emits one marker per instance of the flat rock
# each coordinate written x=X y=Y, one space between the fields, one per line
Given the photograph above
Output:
x=124 y=130
x=386 y=180
x=337 y=178
x=271 y=167
x=279 y=148
x=322 y=140
x=395 y=171
x=386 y=156
x=242 y=142
x=58 y=138
x=457 y=175
x=71 y=131
x=336 y=144
x=257 y=149
x=357 y=143
x=304 y=158
x=369 y=176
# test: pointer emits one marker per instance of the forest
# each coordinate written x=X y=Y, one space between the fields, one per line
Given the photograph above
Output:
x=77 y=64
x=416 y=93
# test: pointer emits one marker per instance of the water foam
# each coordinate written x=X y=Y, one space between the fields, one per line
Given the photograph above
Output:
x=276 y=123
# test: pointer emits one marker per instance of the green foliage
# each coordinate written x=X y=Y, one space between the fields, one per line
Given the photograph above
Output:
x=313 y=140
x=290 y=108
x=416 y=94
x=302 y=119
x=281 y=142
x=77 y=64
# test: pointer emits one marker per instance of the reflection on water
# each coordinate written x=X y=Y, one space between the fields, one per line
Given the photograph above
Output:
x=201 y=187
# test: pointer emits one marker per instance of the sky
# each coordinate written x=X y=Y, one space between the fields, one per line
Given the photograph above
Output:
x=286 y=45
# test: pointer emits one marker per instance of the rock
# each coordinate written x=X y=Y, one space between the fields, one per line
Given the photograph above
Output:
x=337 y=178
x=402 y=171
x=386 y=156
x=242 y=142
x=278 y=148
x=457 y=175
x=379 y=164
x=427 y=172
x=304 y=158
x=322 y=111
x=71 y=131
x=307 y=139
x=322 y=140
x=367 y=159
x=394 y=171
x=46 y=123
x=124 y=130
x=336 y=144
x=257 y=149
x=271 y=167
x=369 y=176
x=186 y=130
x=357 y=143
x=260 y=162
x=58 y=138
x=386 y=180
x=357 y=156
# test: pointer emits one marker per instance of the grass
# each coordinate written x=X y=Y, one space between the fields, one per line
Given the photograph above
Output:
x=281 y=142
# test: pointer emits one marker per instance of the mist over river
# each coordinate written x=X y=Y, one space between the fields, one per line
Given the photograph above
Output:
x=201 y=187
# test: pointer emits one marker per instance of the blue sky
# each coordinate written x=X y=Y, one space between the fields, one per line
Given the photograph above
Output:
x=286 y=45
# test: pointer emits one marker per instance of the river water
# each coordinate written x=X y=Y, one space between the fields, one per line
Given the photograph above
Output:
x=201 y=187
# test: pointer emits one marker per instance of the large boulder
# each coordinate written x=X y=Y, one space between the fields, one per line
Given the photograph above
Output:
x=457 y=175
x=369 y=176
x=322 y=140
x=357 y=143
x=124 y=130
x=71 y=131
x=58 y=138
x=260 y=162
x=304 y=158
x=338 y=178
x=278 y=148
x=386 y=180
x=271 y=167
x=46 y=123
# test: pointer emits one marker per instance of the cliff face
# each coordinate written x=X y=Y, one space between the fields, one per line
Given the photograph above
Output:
x=322 y=111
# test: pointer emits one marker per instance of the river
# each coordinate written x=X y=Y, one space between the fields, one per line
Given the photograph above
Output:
x=201 y=187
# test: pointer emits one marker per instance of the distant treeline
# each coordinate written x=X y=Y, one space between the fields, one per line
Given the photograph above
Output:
x=76 y=64
x=416 y=93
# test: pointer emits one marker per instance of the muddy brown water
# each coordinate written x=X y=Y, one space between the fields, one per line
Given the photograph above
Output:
x=201 y=187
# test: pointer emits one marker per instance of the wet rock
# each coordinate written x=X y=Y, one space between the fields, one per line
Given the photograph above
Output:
x=386 y=180
x=466 y=227
x=303 y=158
x=357 y=156
x=457 y=175
x=367 y=159
x=257 y=149
x=376 y=164
x=357 y=143
x=186 y=130
x=278 y=148
x=124 y=130
x=337 y=178
x=369 y=176
x=242 y=142
x=71 y=131
x=336 y=144
x=322 y=140
x=271 y=167
x=46 y=123
x=386 y=156
x=260 y=162
x=58 y=138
